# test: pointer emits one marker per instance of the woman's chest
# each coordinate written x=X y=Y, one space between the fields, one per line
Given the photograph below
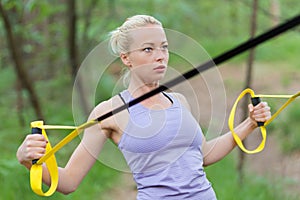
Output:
x=154 y=131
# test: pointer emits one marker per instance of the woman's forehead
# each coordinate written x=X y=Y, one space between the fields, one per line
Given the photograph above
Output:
x=149 y=34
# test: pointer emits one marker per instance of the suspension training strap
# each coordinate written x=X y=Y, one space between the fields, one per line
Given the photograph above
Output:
x=261 y=125
x=38 y=127
x=36 y=171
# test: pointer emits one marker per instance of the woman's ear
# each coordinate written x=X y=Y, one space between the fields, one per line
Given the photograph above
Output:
x=125 y=59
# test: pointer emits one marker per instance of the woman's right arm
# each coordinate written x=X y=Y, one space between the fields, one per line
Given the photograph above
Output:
x=81 y=160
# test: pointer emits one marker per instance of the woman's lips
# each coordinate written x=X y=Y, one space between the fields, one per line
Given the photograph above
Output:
x=160 y=68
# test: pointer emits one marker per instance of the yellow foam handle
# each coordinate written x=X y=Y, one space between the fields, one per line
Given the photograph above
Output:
x=36 y=171
x=231 y=126
x=262 y=128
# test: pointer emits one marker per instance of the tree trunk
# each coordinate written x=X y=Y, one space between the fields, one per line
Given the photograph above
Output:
x=275 y=12
x=72 y=37
x=17 y=59
x=85 y=43
x=249 y=70
x=73 y=54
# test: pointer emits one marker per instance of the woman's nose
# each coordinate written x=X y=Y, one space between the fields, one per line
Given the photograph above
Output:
x=161 y=54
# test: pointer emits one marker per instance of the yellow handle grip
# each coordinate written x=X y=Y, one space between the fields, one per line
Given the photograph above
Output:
x=261 y=125
x=231 y=126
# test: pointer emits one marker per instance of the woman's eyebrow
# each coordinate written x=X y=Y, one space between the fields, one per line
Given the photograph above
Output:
x=153 y=44
x=148 y=43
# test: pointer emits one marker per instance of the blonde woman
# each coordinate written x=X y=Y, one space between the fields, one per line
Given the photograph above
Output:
x=159 y=138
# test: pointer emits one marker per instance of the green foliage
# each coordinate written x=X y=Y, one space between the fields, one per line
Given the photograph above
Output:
x=56 y=98
x=42 y=25
x=216 y=25
x=287 y=127
x=225 y=181
x=106 y=88
x=281 y=49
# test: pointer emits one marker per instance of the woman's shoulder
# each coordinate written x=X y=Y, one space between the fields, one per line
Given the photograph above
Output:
x=106 y=106
x=181 y=98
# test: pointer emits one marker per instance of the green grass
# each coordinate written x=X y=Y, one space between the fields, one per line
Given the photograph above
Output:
x=282 y=49
x=224 y=178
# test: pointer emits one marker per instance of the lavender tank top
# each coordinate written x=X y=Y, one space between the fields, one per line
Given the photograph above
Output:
x=163 y=150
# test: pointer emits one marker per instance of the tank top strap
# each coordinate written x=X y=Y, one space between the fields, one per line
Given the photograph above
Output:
x=126 y=97
x=166 y=95
x=122 y=98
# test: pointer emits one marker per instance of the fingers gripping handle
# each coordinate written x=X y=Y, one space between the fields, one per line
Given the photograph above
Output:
x=255 y=101
x=35 y=131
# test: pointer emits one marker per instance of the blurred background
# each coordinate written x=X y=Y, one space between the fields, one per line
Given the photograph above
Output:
x=43 y=44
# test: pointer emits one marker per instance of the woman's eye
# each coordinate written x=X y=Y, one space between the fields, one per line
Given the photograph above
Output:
x=148 y=49
x=164 y=47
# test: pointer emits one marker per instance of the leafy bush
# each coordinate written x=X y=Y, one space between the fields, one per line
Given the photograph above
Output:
x=288 y=127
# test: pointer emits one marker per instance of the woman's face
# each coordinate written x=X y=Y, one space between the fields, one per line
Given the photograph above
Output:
x=148 y=55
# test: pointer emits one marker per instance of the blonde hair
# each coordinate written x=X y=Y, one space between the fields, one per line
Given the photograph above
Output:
x=120 y=38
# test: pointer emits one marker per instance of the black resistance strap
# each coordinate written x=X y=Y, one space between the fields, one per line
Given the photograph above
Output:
x=211 y=63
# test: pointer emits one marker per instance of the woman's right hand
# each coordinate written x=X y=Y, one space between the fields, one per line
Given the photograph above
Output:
x=33 y=147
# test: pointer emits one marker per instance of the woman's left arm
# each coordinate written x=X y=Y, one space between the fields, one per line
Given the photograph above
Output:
x=217 y=148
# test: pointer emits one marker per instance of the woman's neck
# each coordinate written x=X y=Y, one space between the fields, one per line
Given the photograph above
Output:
x=156 y=102
x=137 y=90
